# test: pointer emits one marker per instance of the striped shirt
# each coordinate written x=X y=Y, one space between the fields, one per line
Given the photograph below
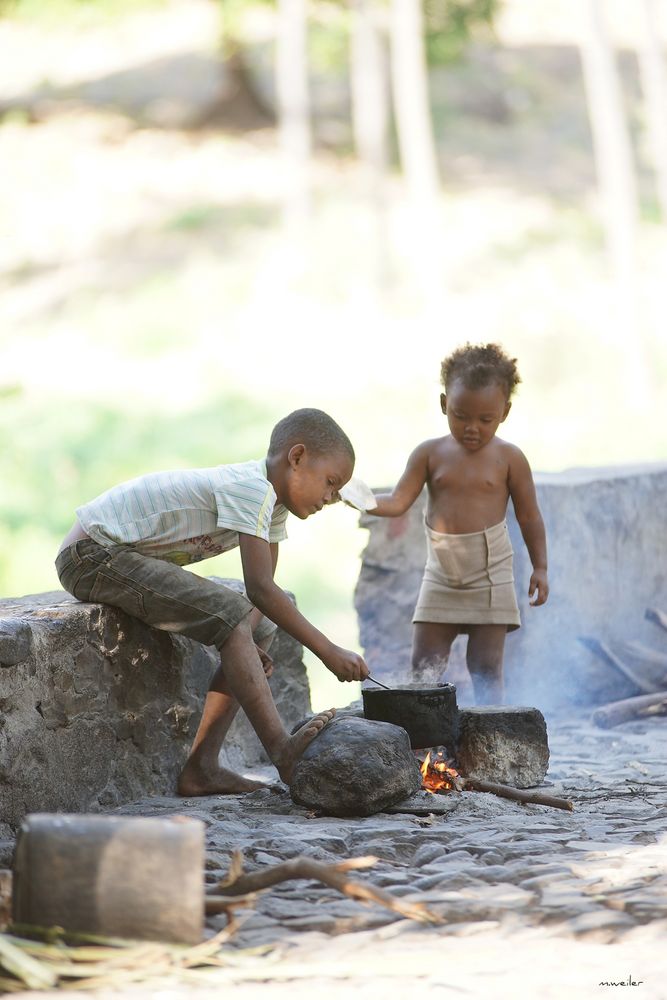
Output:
x=189 y=514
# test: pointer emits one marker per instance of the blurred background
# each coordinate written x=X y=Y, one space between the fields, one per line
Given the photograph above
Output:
x=215 y=211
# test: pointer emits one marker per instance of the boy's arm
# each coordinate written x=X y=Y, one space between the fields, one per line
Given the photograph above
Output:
x=408 y=487
x=256 y=616
x=258 y=568
x=524 y=498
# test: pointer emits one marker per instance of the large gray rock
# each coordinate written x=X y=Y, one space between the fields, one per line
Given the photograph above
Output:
x=607 y=540
x=355 y=767
x=98 y=709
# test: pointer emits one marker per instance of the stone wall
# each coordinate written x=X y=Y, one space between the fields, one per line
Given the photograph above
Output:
x=97 y=709
x=607 y=539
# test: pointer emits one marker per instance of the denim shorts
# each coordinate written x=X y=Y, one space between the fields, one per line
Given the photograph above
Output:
x=156 y=592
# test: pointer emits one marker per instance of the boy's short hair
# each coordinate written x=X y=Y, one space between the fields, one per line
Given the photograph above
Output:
x=479 y=365
x=316 y=429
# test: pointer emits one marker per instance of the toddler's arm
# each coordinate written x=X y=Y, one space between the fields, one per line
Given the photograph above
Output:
x=408 y=487
x=258 y=570
x=524 y=498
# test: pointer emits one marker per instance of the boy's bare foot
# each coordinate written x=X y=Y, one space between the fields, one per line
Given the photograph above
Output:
x=194 y=780
x=286 y=758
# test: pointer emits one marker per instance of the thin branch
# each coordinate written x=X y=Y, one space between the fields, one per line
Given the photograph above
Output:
x=519 y=794
x=331 y=875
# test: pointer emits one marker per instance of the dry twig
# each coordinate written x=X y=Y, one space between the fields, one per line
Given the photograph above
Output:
x=331 y=875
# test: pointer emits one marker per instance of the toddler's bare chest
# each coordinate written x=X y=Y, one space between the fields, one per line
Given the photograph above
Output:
x=480 y=478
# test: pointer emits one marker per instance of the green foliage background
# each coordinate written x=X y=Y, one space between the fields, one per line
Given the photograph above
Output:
x=177 y=340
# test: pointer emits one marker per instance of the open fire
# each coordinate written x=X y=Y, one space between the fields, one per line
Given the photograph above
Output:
x=438 y=775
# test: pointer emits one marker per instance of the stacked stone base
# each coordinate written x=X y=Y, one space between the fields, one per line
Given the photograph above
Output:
x=97 y=709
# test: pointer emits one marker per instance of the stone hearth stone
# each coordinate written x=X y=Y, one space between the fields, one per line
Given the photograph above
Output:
x=355 y=767
x=424 y=803
x=505 y=744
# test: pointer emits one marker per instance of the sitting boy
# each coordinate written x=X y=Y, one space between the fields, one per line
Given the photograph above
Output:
x=128 y=546
x=470 y=474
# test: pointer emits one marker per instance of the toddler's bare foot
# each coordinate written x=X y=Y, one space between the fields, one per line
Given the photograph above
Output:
x=195 y=780
x=294 y=746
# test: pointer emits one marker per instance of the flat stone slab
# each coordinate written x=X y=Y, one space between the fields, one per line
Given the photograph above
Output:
x=424 y=803
x=505 y=744
x=356 y=767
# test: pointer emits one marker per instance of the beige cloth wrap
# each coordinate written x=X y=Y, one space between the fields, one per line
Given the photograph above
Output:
x=468 y=579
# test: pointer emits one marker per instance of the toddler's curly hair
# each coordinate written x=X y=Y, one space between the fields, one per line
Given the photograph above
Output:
x=479 y=365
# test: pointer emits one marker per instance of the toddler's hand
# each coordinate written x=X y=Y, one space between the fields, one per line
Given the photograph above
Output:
x=346 y=665
x=539 y=586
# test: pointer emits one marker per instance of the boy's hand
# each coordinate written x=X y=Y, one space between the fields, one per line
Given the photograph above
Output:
x=346 y=665
x=540 y=586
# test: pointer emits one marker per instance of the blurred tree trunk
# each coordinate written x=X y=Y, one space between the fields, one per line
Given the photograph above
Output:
x=654 y=85
x=239 y=104
x=422 y=237
x=611 y=143
x=293 y=108
x=411 y=101
x=369 y=84
x=624 y=321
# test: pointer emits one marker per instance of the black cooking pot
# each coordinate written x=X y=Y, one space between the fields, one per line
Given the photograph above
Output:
x=430 y=715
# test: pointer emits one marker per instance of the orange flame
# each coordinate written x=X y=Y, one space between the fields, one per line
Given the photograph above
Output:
x=437 y=774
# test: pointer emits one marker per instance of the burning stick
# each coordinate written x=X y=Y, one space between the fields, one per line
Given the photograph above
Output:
x=438 y=775
x=519 y=794
x=240 y=884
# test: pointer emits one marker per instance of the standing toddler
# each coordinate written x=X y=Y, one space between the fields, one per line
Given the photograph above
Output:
x=470 y=474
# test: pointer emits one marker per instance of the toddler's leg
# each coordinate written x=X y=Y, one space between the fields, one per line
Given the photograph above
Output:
x=486 y=645
x=431 y=643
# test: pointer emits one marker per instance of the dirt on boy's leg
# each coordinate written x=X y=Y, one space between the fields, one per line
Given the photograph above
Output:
x=244 y=682
x=202 y=773
x=240 y=682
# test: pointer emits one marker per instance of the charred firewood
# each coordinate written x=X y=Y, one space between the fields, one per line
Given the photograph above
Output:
x=657 y=616
x=609 y=656
x=641 y=707
x=653 y=660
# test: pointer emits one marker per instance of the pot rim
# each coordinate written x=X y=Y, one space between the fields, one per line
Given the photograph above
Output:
x=441 y=689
